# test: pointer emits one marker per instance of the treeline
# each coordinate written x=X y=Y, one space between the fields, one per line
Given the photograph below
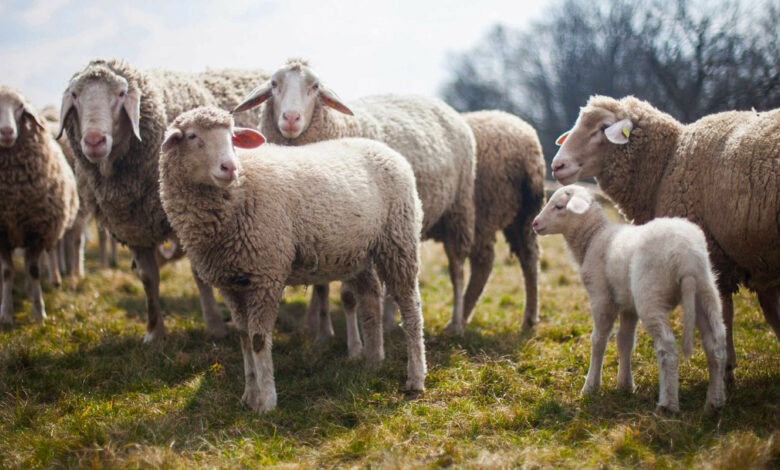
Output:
x=687 y=58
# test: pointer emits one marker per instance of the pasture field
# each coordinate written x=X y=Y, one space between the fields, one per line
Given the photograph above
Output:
x=82 y=391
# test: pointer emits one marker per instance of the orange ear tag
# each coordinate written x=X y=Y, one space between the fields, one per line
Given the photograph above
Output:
x=562 y=138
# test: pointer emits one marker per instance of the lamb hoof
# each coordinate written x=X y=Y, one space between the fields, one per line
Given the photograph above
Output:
x=667 y=410
x=455 y=329
x=713 y=409
x=414 y=387
x=589 y=390
x=253 y=400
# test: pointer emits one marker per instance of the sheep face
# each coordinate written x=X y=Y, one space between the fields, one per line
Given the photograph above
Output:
x=566 y=205
x=14 y=110
x=293 y=90
x=583 y=147
x=106 y=108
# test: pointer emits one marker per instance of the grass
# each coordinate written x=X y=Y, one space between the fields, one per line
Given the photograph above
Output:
x=82 y=391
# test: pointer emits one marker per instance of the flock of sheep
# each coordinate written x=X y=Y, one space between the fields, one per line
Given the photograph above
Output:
x=346 y=191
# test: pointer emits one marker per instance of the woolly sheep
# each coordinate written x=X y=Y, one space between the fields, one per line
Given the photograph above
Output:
x=720 y=172
x=39 y=197
x=115 y=116
x=254 y=222
x=641 y=271
x=432 y=136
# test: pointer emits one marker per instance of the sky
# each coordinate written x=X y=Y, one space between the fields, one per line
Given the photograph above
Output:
x=358 y=47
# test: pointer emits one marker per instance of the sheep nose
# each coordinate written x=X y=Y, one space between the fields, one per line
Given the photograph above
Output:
x=291 y=116
x=94 y=139
x=228 y=169
x=558 y=166
x=535 y=224
x=7 y=132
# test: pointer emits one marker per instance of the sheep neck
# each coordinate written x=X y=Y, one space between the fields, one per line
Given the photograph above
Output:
x=579 y=237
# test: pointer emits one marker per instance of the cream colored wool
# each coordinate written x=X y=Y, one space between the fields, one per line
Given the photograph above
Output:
x=39 y=200
x=721 y=172
x=344 y=210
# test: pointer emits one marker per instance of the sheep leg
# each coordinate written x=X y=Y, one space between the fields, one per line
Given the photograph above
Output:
x=32 y=268
x=318 y=315
x=349 y=303
x=149 y=272
x=367 y=289
x=75 y=241
x=715 y=349
x=770 y=306
x=523 y=243
x=625 y=346
x=657 y=324
x=457 y=324
x=261 y=307
x=212 y=314
x=62 y=247
x=408 y=296
x=603 y=320
x=388 y=311
x=103 y=244
x=54 y=267
x=7 y=304
x=728 y=321
x=481 y=265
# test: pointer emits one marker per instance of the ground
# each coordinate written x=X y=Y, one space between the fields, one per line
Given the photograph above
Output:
x=83 y=391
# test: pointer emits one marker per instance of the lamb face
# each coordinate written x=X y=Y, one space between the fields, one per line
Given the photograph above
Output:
x=13 y=109
x=584 y=146
x=107 y=110
x=293 y=90
x=565 y=206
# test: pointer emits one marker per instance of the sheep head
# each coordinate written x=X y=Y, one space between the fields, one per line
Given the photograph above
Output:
x=600 y=125
x=293 y=91
x=14 y=112
x=107 y=109
x=202 y=142
x=567 y=205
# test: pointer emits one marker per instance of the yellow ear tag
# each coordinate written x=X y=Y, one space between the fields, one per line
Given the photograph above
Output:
x=625 y=132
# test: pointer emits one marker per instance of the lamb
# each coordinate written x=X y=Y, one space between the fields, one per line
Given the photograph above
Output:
x=508 y=193
x=432 y=136
x=720 y=172
x=258 y=220
x=642 y=271
x=39 y=197
x=115 y=116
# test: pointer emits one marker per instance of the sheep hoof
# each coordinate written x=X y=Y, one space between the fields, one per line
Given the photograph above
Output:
x=414 y=387
x=373 y=362
x=453 y=328
x=217 y=331
x=253 y=399
x=713 y=409
x=667 y=410
x=355 y=352
x=413 y=394
x=529 y=324
x=589 y=390
x=6 y=321
x=627 y=387
x=152 y=336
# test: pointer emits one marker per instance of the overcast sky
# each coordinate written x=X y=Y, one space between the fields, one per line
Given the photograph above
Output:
x=359 y=47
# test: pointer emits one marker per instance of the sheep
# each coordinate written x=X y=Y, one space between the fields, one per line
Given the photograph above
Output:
x=720 y=172
x=508 y=193
x=115 y=116
x=642 y=272
x=432 y=136
x=39 y=197
x=261 y=219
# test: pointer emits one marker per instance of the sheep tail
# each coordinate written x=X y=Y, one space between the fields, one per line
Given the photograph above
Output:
x=688 y=287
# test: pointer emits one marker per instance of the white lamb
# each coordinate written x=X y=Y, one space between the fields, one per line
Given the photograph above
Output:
x=642 y=272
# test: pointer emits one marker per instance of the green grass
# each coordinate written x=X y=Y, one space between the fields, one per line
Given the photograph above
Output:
x=82 y=391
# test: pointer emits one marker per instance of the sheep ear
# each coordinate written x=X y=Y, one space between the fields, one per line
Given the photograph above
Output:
x=255 y=97
x=172 y=138
x=245 y=138
x=133 y=109
x=32 y=115
x=65 y=107
x=560 y=140
x=618 y=133
x=577 y=205
x=331 y=99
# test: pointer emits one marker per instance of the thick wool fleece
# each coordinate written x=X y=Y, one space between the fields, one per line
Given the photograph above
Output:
x=722 y=172
x=38 y=189
x=508 y=193
x=126 y=196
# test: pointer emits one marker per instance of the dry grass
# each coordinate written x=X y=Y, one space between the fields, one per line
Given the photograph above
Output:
x=82 y=391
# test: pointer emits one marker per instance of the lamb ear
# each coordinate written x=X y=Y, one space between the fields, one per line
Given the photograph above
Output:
x=172 y=138
x=577 y=205
x=618 y=133
x=65 y=107
x=30 y=113
x=331 y=99
x=560 y=140
x=245 y=138
x=132 y=107
x=255 y=97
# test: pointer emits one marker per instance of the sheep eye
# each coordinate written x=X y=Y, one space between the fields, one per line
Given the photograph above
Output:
x=73 y=95
x=122 y=94
x=559 y=206
x=191 y=136
x=316 y=87
x=274 y=83
x=604 y=127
